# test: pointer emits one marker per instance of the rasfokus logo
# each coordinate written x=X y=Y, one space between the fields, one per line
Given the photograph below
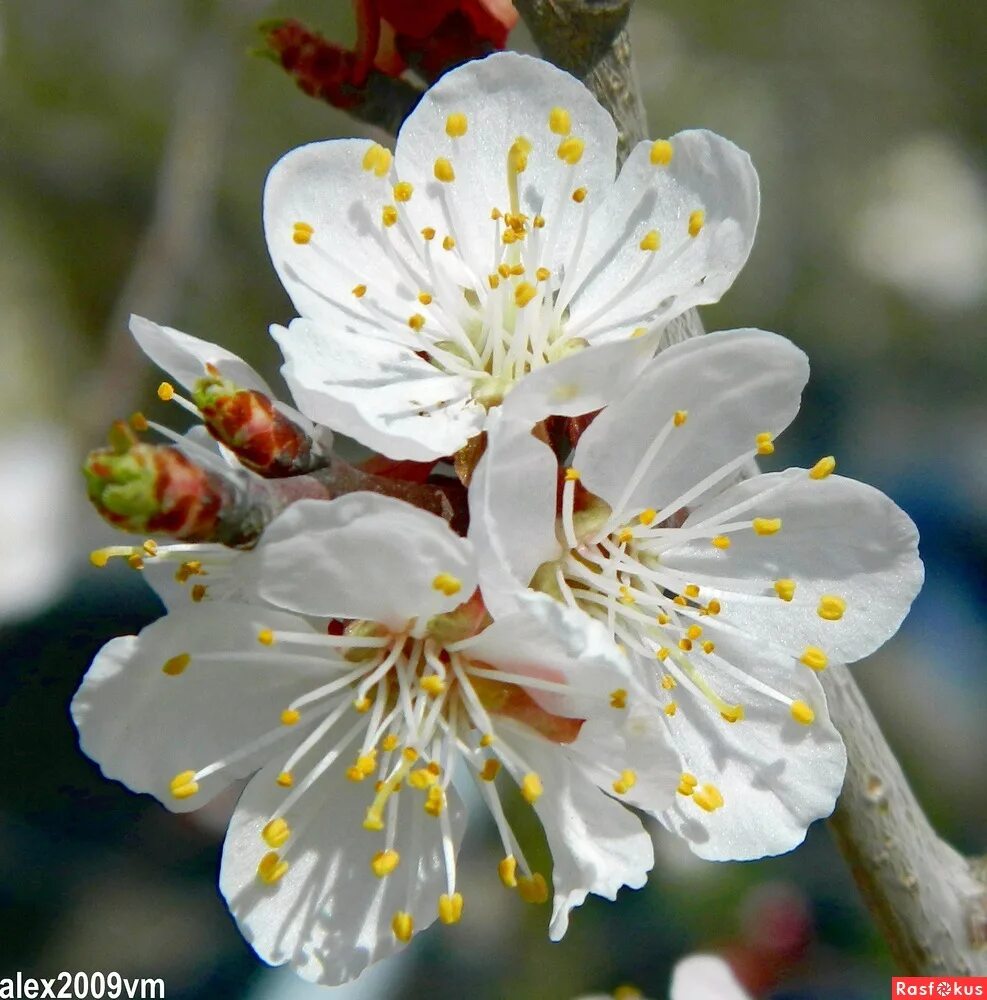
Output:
x=939 y=986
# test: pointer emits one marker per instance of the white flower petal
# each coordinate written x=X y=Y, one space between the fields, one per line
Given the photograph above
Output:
x=185 y=357
x=512 y=511
x=706 y=173
x=329 y=915
x=504 y=96
x=581 y=382
x=144 y=726
x=544 y=639
x=324 y=185
x=363 y=556
x=776 y=776
x=632 y=739
x=597 y=844
x=733 y=386
x=378 y=391
x=838 y=537
x=705 y=977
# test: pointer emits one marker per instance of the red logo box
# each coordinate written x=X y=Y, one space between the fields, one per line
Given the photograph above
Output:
x=939 y=986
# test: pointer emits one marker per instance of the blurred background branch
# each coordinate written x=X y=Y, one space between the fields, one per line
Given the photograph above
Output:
x=926 y=898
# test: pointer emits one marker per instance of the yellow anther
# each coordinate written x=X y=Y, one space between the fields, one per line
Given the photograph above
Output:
x=571 y=475
x=651 y=241
x=709 y=646
x=301 y=233
x=691 y=590
x=285 y=779
x=377 y=159
x=814 y=657
x=389 y=215
x=271 y=868
x=831 y=608
x=571 y=150
x=410 y=754
x=150 y=547
x=359 y=291
x=662 y=618
x=265 y=637
x=721 y=542
x=688 y=779
x=504 y=270
x=764 y=444
x=373 y=820
x=384 y=862
x=403 y=191
x=732 y=713
x=166 y=391
x=428 y=233
x=533 y=889
x=434 y=767
x=685 y=645
x=99 y=558
x=443 y=171
x=661 y=153
x=362 y=704
x=802 y=714
x=627 y=992
x=694 y=631
x=626 y=781
x=507 y=870
x=495 y=214
x=766 y=525
x=493 y=280
x=276 y=833
x=421 y=779
x=531 y=788
x=663 y=653
x=456 y=125
x=524 y=293
x=450 y=908
x=618 y=698
x=671 y=708
x=403 y=926
x=625 y=535
x=713 y=607
x=708 y=798
x=138 y=421
x=134 y=561
x=198 y=592
x=435 y=801
x=647 y=515
x=517 y=270
x=176 y=665
x=579 y=195
x=543 y=274
x=697 y=220
x=354 y=773
x=447 y=584
x=681 y=416
x=822 y=468
x=416 y=321
x=486 y=740
x=491 y=768
x=184 y=785
x=684 y=788
x=509 y=237
x=448 y=243
x=538 y=222
x=433 y=685
x=517 y=157
x=389 y=742
x=680 y=601
x=367 y=763
x=290 y=716
x=559 y=121
x=191 y=568
x=668 y=682
x=785 y=589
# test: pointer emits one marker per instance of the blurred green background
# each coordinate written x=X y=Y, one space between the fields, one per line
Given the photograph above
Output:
x=134 y=142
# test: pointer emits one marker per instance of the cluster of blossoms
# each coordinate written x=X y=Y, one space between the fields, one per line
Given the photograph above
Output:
x=562 y=574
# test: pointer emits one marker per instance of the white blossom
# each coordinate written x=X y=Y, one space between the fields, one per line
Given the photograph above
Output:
x=730 y=596
x=495 y=252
